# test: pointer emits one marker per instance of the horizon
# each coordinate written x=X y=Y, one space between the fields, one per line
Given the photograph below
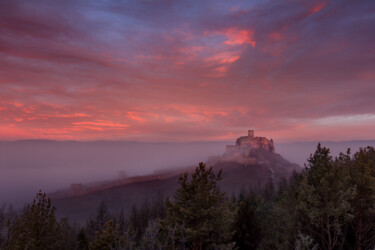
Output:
x=182 y=142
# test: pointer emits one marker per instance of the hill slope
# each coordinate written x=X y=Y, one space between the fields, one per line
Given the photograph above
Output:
x=242 y=169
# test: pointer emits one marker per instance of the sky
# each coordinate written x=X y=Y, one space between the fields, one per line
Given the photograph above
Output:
x=187 y=70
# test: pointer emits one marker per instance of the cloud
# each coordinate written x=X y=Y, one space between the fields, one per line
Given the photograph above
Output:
x=161 y=70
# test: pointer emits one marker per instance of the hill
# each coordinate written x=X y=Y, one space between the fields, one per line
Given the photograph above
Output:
x=251 y=163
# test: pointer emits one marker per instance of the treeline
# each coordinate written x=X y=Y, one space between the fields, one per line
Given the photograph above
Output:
x=328 y=205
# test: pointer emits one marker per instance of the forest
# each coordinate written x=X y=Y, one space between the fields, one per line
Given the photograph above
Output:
x=330 y=204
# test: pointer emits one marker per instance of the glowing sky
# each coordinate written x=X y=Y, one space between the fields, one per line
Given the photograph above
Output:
x=187 y=70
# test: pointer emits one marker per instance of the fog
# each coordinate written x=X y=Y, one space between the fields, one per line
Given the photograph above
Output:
x=298 y=152
x=27 y=166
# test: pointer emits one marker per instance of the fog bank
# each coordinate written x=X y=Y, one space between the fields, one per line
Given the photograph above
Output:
x=27 y=166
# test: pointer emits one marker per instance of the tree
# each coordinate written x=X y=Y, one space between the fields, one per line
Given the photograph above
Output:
x=83 y=242
x=96 y=223
x=2 y=226
x=247 y=229
x=280 y=218
x=325 y=197
x=38 y=228
x=199 y=216
x=108 y=238
x=305 y=243
x=150 y=238
x=363 y=178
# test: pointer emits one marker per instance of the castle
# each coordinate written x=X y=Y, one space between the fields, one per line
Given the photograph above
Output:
x=251 y=142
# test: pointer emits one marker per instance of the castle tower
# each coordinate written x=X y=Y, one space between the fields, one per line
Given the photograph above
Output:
x=251 y=133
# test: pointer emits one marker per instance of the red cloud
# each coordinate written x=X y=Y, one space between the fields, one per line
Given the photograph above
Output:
x=130 y=76
x=238 y=37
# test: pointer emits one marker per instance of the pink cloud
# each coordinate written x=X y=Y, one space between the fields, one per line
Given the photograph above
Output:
x=204 y=74
x=239 y=37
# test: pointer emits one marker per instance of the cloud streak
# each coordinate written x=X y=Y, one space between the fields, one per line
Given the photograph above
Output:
x=177 y=71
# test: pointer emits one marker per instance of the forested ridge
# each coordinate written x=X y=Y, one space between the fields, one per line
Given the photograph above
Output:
x=330 y=204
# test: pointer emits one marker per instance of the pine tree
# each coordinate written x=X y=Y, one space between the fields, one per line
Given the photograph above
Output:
x=247 y=230
x=325 y=197
x=38 y=228
x=198 y=217
x=363 y=178
x=95 y=224
x=108 y=238
x=83 y=242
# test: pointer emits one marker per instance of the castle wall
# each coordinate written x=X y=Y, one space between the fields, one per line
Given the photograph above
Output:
x=251 y=133
x=231 y=148
x=251 y=142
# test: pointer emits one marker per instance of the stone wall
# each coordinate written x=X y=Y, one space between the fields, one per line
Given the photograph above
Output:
x=249 y=143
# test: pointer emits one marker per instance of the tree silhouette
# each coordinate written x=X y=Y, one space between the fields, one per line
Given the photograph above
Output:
x=198 y=217
x=38 y=228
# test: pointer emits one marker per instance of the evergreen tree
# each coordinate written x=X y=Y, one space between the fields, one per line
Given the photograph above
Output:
x=280 y=219
x=199 y=216
x=150 y=238
x=2 y=227
x=363 y=178
x=96 y=223
x=83 y=243
x=247 y=229
x=38 y=228
x=326 y=196
x=108 y=238
x=305 y=243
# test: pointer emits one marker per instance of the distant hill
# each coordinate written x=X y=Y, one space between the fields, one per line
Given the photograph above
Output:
x=78 y=204
x=30 y=165
x=251 y=165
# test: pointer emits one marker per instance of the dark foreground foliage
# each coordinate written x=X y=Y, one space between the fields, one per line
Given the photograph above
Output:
x=328 y=205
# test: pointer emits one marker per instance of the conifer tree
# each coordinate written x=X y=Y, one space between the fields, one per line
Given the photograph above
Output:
x=38 y=228
x=363 y=178
x=326 y=196
x=108 y=238
x=247 y=230
x=198 y=217
x=95 y=224
x=83 y=243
